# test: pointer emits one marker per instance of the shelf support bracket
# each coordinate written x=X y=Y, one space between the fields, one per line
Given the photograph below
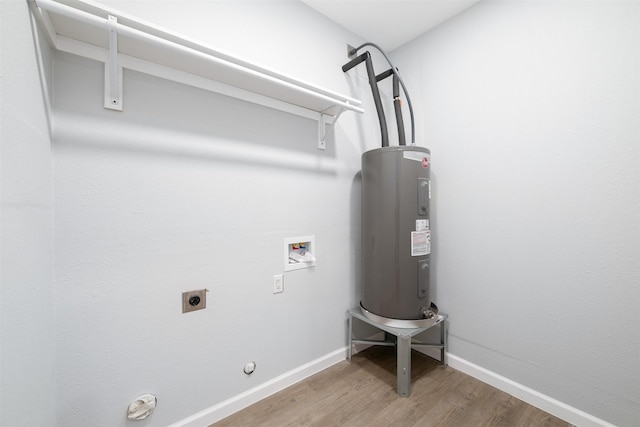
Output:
x=112 y=71
x=322 y=132
x=323 y=121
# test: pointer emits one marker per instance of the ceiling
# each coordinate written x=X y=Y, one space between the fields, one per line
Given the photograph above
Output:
x=389 y=23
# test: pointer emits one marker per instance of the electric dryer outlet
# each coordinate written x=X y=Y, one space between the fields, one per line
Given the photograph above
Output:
x=194 y=300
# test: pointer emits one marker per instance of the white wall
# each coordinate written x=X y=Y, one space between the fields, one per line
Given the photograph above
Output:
x=27 y=383
x=180 y=191
x=531 y=110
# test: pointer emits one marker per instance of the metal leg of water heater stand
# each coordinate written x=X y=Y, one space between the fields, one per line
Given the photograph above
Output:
x=403 y=360
x=443 y=340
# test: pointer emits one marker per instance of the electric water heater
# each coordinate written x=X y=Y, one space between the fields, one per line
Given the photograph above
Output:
x=396 y=235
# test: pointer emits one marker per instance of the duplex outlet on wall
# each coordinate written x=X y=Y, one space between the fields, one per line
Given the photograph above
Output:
x=194 y=300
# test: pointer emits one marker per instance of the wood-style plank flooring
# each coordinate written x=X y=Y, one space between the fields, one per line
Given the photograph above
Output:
x=363 y=393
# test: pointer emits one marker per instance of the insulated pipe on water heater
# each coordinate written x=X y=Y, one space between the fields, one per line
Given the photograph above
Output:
x=366 y=58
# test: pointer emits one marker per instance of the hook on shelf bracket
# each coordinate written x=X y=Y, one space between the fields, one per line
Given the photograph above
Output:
x=112 y=71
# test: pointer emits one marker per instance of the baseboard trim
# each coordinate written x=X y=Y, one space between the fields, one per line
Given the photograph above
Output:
x=548 y=404
x=249 y=397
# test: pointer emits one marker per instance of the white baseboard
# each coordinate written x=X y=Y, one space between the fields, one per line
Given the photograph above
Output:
x=548 y=404
x=249 y=397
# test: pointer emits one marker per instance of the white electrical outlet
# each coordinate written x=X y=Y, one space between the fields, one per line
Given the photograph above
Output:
x=278 y=283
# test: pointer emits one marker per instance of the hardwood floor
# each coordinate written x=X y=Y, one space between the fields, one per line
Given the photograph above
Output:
x=363 y=393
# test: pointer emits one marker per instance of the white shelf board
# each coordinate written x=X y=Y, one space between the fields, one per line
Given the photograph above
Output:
x=82 y=27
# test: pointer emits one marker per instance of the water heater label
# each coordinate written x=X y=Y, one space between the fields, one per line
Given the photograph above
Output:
x=418 y=156
x=420 y=243
x=422 y=224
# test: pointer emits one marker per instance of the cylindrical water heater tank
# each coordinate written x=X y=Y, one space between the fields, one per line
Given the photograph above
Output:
x=396 y=235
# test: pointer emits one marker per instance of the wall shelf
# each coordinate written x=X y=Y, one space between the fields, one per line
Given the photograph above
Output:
x=119 y=41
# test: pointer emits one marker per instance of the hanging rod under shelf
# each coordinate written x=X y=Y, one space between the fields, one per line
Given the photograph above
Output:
x=88 y=29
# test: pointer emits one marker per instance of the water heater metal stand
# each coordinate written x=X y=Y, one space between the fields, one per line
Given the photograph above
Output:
x=404 y=344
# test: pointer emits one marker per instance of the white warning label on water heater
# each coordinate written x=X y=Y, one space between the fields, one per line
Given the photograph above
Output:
x=420 y=243
x=418 y=156
x=422 y=224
